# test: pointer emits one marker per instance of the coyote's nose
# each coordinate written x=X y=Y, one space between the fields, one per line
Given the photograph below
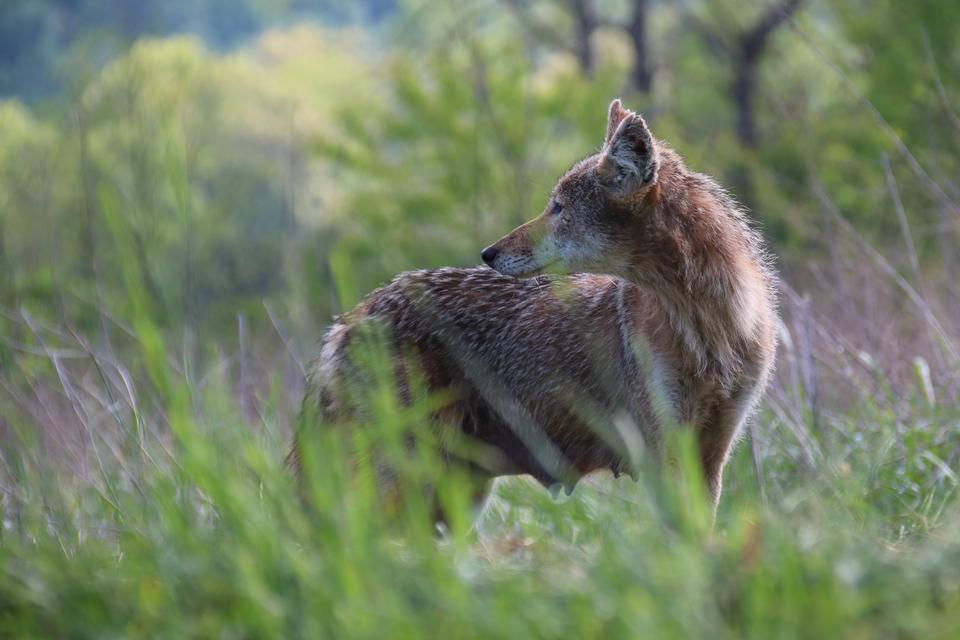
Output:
x=489 y=254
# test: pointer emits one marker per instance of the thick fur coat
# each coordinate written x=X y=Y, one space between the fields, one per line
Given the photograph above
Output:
x=668 y=321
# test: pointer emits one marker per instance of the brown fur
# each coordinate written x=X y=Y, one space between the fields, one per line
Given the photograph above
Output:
x=669 y=319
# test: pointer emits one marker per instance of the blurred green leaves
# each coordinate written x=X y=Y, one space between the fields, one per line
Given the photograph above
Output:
x=176 y=188
x=240 y=172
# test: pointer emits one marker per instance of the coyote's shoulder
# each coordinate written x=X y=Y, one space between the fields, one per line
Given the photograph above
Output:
x=668 y=318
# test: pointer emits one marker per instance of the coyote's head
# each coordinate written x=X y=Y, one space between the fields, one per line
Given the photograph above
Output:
x=596 y=210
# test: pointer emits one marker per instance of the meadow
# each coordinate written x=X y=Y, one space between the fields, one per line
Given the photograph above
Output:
x=180 y=219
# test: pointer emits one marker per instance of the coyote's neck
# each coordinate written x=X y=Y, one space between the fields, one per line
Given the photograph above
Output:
x=714 y=316
x=709 y=278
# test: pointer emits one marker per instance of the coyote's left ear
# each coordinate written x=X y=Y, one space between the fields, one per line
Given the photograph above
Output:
x=629 y=159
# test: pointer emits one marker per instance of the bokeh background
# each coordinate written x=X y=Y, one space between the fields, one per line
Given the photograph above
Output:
x=189 y=190
x=247 y=150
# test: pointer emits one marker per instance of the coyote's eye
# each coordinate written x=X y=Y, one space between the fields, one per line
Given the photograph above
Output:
x=557 y=208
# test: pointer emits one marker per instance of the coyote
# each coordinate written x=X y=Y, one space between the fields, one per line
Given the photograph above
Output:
x=669 y=318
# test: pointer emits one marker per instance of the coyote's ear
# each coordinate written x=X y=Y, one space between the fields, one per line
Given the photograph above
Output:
x=629 y=159
x=615 y=115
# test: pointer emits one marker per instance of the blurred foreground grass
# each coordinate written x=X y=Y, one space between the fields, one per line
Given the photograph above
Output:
x=176 y=232
x=178 y=519
x=207 y=538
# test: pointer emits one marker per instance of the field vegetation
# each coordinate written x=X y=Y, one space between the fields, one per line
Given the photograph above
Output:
x=188 y=195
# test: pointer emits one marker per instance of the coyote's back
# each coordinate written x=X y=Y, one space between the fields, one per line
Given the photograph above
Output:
x=669 y=320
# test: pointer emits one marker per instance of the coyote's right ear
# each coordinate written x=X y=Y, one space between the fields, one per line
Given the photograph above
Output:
x=615 y=115
x=629 y=159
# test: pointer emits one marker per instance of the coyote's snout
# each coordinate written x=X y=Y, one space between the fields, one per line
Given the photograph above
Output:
x=668 y=320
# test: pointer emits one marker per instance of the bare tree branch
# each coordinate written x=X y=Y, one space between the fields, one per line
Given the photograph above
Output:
x=637 y=30
x=748 y=52
x=585 y=21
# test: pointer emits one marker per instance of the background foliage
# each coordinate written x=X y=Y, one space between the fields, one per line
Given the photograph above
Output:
x=189 y=191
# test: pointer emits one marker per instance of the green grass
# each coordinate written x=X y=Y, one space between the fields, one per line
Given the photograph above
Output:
x=142 y=485
x=197 y=530
x=151 y=500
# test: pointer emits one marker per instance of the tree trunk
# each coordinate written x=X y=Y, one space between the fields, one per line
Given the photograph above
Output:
x=749 y=51
x=585 y=21
x=637 y=30
x=743 y=88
